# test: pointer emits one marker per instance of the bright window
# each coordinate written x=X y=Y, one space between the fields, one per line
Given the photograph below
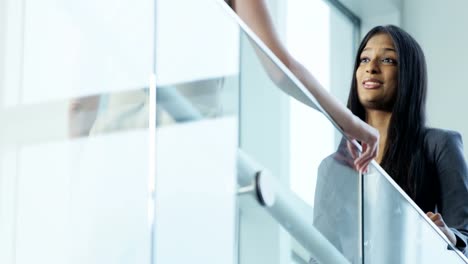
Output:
x=321 y=38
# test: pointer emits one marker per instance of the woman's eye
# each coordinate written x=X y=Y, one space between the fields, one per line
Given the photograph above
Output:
x=389 y=60
x=364 y=60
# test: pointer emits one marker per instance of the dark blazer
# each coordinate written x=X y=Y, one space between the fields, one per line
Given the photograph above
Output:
x=445 y=184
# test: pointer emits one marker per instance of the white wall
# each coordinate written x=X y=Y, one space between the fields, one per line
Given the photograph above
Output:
x=387 y=17
x=440 y=28
x=2 y=43
x=375 y=12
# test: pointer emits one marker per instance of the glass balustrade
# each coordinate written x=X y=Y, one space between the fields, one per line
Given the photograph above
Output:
x=396 y=230
x=75 y=181
x=180 y=153
x=74 y=167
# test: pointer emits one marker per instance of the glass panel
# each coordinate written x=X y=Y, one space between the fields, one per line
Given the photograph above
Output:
x=395 y=229
x=82 y=52
x=195 y=188
x=197 y=127
x=197 y=105
x=197 y=49
x=264 y=136
x=74 y=167
x=73 y=189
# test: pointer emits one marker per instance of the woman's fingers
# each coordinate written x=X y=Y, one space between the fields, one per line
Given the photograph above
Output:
x=369 y=138
x=360 y=160
x=433 y=216
x=352 y=149
x=368 y=154
x=440 y=223
x=436 y=218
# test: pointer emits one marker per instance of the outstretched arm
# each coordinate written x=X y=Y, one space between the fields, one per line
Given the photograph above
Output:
x=255 y=14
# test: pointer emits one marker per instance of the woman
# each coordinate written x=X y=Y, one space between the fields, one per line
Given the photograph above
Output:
x=255 y=14
x=388 y=92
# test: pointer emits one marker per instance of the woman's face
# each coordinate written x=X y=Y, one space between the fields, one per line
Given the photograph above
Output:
x=377 y=74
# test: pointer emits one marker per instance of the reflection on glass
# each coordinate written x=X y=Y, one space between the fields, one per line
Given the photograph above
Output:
x=110 y=112
x=196 y=100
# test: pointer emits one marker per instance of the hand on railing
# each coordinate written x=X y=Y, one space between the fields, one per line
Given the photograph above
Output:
x=440 y=223
x=358 y=130
x=351 y=156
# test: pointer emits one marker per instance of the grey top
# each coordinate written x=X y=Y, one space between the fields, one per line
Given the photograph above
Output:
x=445 y=186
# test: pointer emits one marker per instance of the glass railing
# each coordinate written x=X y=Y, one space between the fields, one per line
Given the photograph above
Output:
x=188 y=166
x=396 y=230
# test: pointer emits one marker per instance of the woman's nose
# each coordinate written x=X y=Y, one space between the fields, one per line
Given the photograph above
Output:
x=372 y=67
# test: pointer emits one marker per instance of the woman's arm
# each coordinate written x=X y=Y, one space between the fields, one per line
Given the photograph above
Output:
x=255 y=14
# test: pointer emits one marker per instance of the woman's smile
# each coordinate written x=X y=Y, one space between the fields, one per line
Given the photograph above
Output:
x=372 y=83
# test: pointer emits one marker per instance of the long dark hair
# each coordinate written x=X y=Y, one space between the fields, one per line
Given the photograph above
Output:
x=404 y=151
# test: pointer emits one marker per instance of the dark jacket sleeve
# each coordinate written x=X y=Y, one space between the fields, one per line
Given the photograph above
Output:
x=453 y=179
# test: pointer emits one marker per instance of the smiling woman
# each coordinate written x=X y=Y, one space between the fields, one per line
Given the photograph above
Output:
x=388 y=91
x=377 y=74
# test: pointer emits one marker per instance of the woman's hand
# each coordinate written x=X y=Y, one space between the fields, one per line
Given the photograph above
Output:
x=369 y=138
x=439 y=222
